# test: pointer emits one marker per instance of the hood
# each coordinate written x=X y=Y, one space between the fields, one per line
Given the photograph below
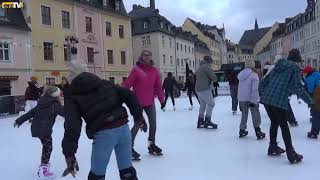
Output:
x=245 y=74
x=85 y=82
x=284 y=65
x=46 y=101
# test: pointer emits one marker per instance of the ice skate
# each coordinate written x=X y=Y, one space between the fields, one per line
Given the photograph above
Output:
x=154 y=150
x=135 y=156
x=275 y=150
x=191 y=108
x=293 y=157
x=260 y=135
x=44 y=173
x=234 y=112
x=313 y=134
x=294 y=124
x=200 y=123
x=243 y=133
x=209 y=124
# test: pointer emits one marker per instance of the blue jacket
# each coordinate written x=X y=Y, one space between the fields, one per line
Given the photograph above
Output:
x=312 y=81
x=283 y=81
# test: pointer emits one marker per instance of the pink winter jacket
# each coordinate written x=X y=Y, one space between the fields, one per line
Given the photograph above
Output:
x=146 y=84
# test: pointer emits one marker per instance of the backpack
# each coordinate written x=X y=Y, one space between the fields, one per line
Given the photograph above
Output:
x=27 y=94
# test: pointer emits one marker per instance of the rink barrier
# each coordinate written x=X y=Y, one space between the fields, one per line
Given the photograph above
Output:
x=11 y=105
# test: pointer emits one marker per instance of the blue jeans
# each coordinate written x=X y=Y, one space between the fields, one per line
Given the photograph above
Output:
x=103 y=144
x=315 y=120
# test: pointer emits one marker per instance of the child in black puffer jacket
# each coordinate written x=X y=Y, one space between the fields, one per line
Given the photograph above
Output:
x=44 y=115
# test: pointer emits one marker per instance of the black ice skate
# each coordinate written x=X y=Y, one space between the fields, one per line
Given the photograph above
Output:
x=208 y=124
x=243 y=133
x=260 y=135
x=275 y=150
x=313 y=134
x=294 y=124
x=155 y=150
x=293 y=157
x=200 y=123
x=135 y=156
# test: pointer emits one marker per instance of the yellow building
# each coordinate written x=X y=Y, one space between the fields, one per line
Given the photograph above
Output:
x=208 y=38
x=120 y=44
x=50 y=21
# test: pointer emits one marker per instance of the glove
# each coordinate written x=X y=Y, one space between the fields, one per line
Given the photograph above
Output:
x=163 y=105
x=72 y=166
x=141 y=123
x=16 y=125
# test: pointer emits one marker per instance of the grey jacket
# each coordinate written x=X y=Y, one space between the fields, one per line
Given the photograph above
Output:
x=205 y=77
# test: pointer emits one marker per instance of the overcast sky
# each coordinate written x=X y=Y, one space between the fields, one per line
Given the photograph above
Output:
x=237 y=15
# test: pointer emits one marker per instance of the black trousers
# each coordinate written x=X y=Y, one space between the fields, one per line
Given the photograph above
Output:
x=46 y=149
x=290 y=115
x=278 y=118
x=190 y=92
x=167 y=94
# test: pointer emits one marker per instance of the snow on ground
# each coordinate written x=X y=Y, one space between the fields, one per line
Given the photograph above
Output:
x=189 y=153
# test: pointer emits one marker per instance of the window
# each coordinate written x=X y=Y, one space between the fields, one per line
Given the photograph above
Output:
x=108 y=29
x=182 y=62
x=163 y=41
x=144 y=42
x=192 y=50
x=65 y=19
x=171 y=60
x=105 y=3
x=123 y=57
x=110 y=56
x=124 y=79
x=146 y=25
x=89 y=24
x=178 y=62
x=170 y=42
x=148 y=40
x=181 y=47
x=4 y=51
x=46 y=15
x=189 y=49
x=185 y=48
x=161 y=25
x=112 y=79
x=48 y=51
x=164 y=59
x=177 y=46
x=5 y=86
x=118 y=5
x=121 y=31
x=65 y=52
x=50 y=81
x=90 y=55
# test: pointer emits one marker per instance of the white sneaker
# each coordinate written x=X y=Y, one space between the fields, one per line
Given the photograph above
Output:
x=44 y=173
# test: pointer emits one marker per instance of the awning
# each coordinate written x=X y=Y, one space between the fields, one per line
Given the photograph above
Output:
x=9 y=78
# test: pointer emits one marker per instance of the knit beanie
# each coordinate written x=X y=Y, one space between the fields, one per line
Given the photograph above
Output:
x=52 y=91
x=249 y=63
x=208 y=59
x=75 y=68
x=307 y=70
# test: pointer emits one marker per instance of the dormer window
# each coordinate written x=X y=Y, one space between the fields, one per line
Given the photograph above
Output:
x=162 y=25
x=117 y=5
x=146 y=24
x=105 y=3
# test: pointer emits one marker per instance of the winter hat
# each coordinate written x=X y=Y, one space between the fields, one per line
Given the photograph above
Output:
x=208 y=59
x=249 y=63
x=169 y=74
x=75 y=68
x=52 y=91
x=294 y=55
x=33 y=78
x=307 y=70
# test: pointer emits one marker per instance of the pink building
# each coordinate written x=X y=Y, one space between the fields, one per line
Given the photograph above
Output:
x=15 y=54
x=88 y=30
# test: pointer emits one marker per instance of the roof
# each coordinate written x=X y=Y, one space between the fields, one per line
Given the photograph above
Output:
x=230 y=46
x=180 y=33
x=230 y=67
x=110 y=8
x=205 y=29
x=140 y=14
x=201 y=46
x=251 y=37
x=14 y=19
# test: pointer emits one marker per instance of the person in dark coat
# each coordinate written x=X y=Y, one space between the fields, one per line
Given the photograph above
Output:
x=100 y=104
x=44 y=115
x=190 y=87
x=275 y=90
x=168 y=86
x=32 y=94
x=231 y=76
x=215 y=91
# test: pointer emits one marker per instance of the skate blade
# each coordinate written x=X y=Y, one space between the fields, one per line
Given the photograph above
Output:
x=156 y=154
x=135 y=159
x=46 y=178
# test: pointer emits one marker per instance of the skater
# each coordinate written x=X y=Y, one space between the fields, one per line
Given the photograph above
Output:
x=233 y=83
x=249 y=99
x=168 y=86
x=32 y=94
x=190 y=88
x=145 y=80
x=275 y=88
x=44 y=115
x=313 y=86
x=215 y=89
x=65 y=86
x=204 y=79
x=99 y=103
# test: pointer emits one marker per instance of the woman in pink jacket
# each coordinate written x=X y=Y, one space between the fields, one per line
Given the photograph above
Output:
x=145 y=80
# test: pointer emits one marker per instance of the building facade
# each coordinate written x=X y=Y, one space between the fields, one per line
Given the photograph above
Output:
x=15 y=52
x=201 y=50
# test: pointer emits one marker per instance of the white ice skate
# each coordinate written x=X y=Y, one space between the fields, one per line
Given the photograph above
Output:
x=44 y=173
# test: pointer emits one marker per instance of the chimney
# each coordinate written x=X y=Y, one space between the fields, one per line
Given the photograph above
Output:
x=256 y=26
x=134 y=7
x=153 y=4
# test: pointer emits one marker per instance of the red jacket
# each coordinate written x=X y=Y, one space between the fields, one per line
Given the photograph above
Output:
x=146 y=83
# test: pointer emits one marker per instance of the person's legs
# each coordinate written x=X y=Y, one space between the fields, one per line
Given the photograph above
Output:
x=123 y=148
x=234 y=97
x=166 y=97
x=172 y=98
x=102 y=147
x=284 y=128
x=210 y=104
x=152 y=118
x=195 y=93
x=256 y=117
x=46 y=149
x=203 y=104
x=290 y=116
x=134 y=132
x=274 y=124
x=190 y=97
x=244 y=116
